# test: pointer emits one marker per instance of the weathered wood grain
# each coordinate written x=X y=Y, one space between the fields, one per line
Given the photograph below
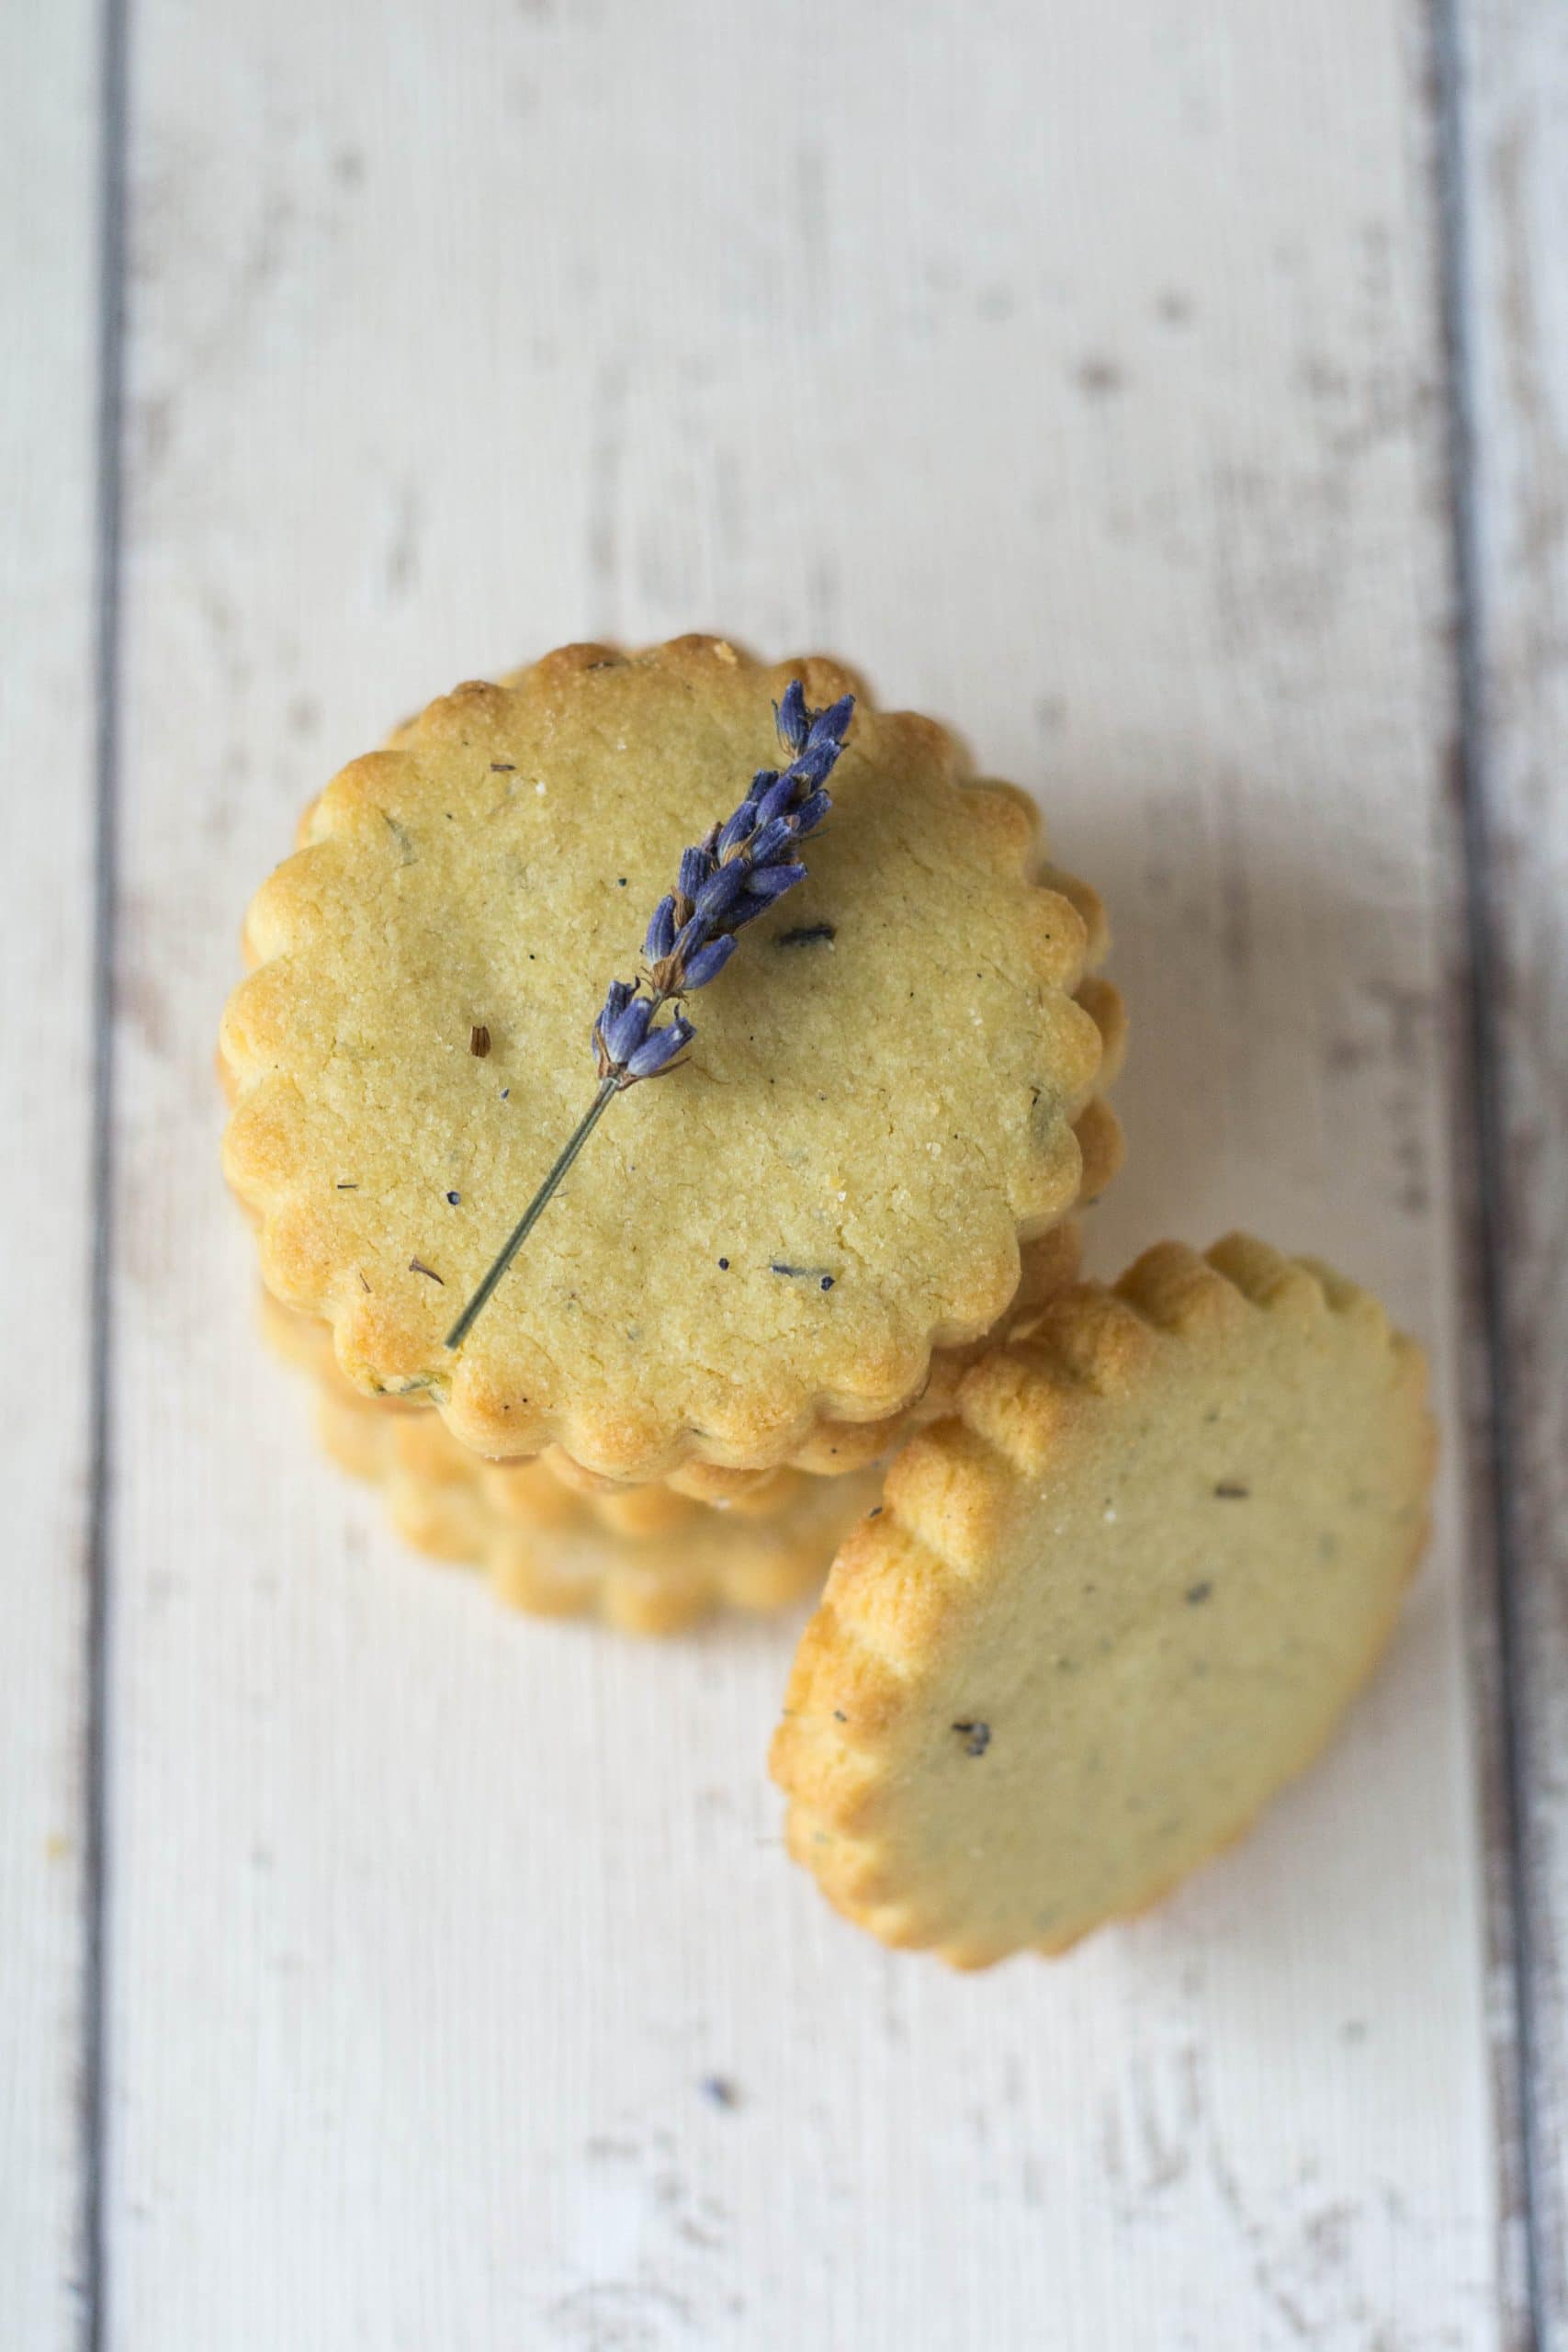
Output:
x=1513 y=159
x=48 y=156
x=1078 y=373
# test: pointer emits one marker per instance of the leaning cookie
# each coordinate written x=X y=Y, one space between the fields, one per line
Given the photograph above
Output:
x=1110 y=1607
x=781 y=1232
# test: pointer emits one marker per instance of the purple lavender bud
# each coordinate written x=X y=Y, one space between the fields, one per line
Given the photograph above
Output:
x=833 y=724
x=720 y=891
x=738 y=826
x=696 y=865
x=791 y=716
x=618 y=996
x=770 y=882
x=708 y=962
x=750 y=909
x=691 y=938
x=814 y=765
x=769 y=840
x=660 y=1048
x=810 y=813
x=660 y=936
x=625 y=1032
x=777 y=799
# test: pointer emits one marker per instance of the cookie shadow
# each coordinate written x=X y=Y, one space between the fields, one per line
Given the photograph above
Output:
x=1285 y=1068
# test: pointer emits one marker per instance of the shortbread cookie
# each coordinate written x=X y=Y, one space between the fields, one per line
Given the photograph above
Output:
x=1107 y=1610
x=306 y=1342
x=832 y=1449
x=1047 y=1264
x=703 y=1482
x=656 y=1585
x=374 y=1436
x=371 y=1435
x=531 y=1493
x=877 y=1109
x=530 y=1489
x=570 y=1564
x=1051 y=1265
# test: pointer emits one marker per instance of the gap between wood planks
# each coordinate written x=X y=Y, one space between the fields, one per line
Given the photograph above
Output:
x=113 y=139
x=1496 y=1567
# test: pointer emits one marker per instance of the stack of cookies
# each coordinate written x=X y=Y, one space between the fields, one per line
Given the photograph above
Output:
x=1108 y=1564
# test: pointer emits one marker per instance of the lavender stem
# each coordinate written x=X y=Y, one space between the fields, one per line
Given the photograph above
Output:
x=608 y=1088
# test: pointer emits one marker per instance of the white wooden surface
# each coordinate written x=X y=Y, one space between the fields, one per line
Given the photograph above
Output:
x=1515 y=176
x=1079 y=373
x=49 y=297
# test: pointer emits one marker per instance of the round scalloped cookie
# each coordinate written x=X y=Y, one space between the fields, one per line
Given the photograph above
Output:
x=1049 y=1262
x=656 y=1585
x=1112 y=1606
x=370 y=1435
x=879 y=1105
x=529 y=1489
x=572 y=1564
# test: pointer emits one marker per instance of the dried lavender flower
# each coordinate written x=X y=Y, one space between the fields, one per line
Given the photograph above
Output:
x=723 y=883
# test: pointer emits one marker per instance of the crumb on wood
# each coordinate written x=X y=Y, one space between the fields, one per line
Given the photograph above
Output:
x=1100 y=376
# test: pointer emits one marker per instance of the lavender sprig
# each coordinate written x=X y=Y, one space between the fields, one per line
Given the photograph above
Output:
x=726 y=882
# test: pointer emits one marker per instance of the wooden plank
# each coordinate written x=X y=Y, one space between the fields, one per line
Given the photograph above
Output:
x=1513 y=190
x=1080 y=382
x=48 y=316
